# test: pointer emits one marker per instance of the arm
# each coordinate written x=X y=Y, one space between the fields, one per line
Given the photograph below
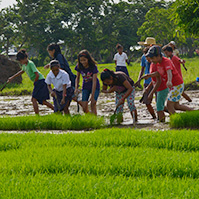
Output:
x=140 y=76
x=94 y=86
x=15 y=75
x=111 y=90
x=158 y=82
x=47 y=66
x=64 y=94
x=77 y=82
x=37 y=76
x=51 y=90
x=116 y=62
x=169 y=78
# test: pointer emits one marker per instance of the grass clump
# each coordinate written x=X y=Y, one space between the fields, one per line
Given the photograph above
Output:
x=51 y=122
x=185 y=120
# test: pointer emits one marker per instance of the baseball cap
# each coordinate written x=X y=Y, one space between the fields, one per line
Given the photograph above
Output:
x=173 y=42
x=153 y=51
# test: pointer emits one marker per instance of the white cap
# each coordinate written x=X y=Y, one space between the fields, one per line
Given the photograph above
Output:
x=173 y=42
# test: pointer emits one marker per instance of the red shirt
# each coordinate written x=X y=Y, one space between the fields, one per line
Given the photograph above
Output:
x=166 y=64
x=176 y=62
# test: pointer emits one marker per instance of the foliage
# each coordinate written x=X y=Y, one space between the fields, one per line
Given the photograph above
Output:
x=51 y=122
x=108 y=163
x=186 y=14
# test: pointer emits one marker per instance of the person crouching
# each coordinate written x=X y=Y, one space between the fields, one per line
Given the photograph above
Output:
x=62 y=92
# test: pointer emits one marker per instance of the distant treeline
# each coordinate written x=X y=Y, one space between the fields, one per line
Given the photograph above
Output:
x=97 y=25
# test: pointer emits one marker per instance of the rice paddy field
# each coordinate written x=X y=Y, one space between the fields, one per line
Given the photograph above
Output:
x=106 y=163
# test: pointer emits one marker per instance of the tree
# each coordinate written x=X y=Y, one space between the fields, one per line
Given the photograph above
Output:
x=186 y=15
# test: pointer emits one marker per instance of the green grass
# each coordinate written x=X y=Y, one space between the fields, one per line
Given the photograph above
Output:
x=51 y=122
x=108 y=163
x=185 y=120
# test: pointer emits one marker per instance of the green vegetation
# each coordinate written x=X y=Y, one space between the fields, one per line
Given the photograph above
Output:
x=27 y=86
x=111 y=163
x=51 y=122
x=185 y=120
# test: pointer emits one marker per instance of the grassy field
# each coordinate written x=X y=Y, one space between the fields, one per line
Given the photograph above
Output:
x=185 y=120
x=110 y=163
x=52 y=122
x=27 y=86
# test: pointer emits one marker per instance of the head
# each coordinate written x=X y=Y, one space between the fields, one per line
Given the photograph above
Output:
x=168 y=50
x=145 y=51
x=108 y=76
x=53 y=50
x=55 y=66
x=155 y=54
x=85 y=60
x=119 y=48
x=22 y=56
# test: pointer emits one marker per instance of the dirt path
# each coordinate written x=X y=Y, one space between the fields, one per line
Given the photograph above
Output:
x=21 y=105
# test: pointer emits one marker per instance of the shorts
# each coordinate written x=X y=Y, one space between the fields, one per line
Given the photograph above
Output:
x=145 y=99
x=57 y=102
x=86 y=93
x=161 y=98
x=175 y=93
x=40 y=91
x=130 y=101
x=123 y=69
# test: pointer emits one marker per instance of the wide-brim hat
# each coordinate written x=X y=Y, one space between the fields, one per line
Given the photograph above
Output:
x=148 y=42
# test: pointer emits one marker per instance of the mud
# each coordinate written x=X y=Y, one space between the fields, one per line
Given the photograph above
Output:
x=9 y=68
x=21 y=105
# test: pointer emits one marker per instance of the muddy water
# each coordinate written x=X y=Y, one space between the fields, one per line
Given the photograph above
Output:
x=21 y=105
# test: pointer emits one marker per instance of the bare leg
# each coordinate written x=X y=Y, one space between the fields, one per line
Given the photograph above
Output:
x=171 y=107
x=66 y=108
x=136 y=115
x=186 y=97
x=180 y=107
x=35 y=105
x=79 y=102
x=85 y=107
x=93 y=107
x=49 y=105
x=151 y=110
x=161 y=116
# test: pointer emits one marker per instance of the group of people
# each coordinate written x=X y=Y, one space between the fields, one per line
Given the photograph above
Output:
x=162 y=76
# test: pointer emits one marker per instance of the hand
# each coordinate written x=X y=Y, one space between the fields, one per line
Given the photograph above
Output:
x=145 y=76
x=9 y=80
x=121 y=101
x=169 y=84
x=63 y=101
x=47 y=66
x=92 y=99
x=53 y=94
x=104 y=91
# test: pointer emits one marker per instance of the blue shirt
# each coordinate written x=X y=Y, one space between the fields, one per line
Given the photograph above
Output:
x=146 y=64
x=65 y=66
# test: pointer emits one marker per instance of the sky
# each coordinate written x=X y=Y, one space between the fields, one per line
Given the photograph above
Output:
x=6 y=3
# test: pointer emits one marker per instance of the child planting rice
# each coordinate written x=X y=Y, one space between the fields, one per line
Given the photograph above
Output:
x=171 y=83
x=62 y=92
x=87 y=68
x=124 y=87
x=40 y=92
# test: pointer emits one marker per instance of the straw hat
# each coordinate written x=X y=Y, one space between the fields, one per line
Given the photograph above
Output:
x=148 y=41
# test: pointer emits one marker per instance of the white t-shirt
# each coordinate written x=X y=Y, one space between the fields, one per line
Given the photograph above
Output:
x=61 y=79
x=121 y=59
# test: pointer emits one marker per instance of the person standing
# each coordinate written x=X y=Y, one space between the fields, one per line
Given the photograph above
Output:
x=121 y=59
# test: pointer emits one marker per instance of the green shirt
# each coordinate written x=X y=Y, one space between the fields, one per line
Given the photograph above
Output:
x=30 y=69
